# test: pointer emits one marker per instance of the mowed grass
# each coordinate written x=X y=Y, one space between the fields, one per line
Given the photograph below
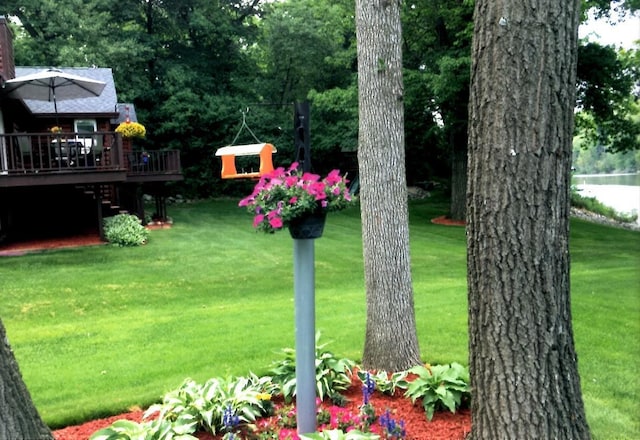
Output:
x=102 y=329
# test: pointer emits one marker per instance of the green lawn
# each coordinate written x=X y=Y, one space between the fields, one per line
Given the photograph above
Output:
x=98 y=330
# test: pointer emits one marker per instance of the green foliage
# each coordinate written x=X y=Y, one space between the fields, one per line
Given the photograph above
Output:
x=125 y=230
x=332 y=373
x=439 y=387
x=337 y=434
x=193 y=406
x=609 y=114
x=597 y=160
x=385 y=382
x=126 y=430
x=191 y=66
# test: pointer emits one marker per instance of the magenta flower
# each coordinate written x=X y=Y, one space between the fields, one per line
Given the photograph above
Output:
x=310 y=177
x=333 y=177
x=257 y=220
x=275 y=222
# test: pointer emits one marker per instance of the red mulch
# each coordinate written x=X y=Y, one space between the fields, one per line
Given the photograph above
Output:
x=446 y=221
x=87 y=239
x=444 y=425
x=23 y=247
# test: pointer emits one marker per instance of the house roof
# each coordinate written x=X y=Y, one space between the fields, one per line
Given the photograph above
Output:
x=103 y=104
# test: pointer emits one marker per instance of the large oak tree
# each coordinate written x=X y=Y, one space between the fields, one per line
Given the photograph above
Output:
x=523 y=362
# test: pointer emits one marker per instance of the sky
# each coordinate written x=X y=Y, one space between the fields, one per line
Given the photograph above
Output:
x=622 y=34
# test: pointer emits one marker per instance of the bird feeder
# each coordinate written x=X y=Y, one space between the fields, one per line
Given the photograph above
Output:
x=229 y=153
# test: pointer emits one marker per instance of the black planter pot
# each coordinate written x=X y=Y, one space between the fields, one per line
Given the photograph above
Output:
x=308 y=227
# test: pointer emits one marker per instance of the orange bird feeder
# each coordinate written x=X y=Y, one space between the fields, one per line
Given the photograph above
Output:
x=229 y=154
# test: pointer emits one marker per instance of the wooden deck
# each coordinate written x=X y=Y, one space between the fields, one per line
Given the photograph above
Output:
x=35 y=159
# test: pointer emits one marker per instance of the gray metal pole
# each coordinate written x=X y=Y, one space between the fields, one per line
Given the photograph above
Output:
x=304 y=286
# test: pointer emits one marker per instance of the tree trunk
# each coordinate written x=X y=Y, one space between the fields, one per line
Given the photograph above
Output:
x=391 y=341
x=523 y=362
x=458 y=176
x=19 y=418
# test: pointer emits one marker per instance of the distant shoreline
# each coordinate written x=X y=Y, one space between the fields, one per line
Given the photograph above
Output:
x=606 y=174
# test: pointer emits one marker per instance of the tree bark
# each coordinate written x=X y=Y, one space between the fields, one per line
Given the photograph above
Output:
x=523 y=361
x=391 y=341
x=19 y=418
x=459 y=174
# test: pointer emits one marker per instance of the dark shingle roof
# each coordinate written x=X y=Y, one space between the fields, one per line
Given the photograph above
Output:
x=103 y=104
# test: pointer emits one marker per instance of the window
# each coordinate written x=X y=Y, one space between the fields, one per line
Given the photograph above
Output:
x=87 y=126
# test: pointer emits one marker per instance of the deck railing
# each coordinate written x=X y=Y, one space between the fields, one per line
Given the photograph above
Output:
x=34 y=153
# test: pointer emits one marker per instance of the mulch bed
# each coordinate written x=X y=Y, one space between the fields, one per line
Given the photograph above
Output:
x=87 y=239
x=24 y=247
x=444 y=425
x=446 y=221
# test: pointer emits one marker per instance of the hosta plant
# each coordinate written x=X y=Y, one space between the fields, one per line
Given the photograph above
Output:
x=385 y=382
x=332 y=374
x=439 y=387
x=337 y=434
x=194 y=407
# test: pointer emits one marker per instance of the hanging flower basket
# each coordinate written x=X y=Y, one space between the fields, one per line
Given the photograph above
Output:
x=308 y=227
x=292 y=198
x=130 y=129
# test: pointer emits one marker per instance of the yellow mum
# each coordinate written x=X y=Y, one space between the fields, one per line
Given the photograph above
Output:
x=131 y=129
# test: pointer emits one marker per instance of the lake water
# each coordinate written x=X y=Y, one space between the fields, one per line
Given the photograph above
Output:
x=618 y=191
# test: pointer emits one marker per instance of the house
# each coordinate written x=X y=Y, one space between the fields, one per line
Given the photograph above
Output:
x=63 y=166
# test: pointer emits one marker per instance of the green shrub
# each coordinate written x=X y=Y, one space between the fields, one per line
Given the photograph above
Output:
x=125 y=230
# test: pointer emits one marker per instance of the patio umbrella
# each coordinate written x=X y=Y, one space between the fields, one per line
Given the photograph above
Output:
x=53 y=85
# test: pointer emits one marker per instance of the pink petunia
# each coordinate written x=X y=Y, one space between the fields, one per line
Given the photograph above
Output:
x=275 y=222
x=317 y=190
x=278 y=172
x=291 y=181
x=257 y=220
x=310 y=177
x=293 y=200
x=333 y=177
